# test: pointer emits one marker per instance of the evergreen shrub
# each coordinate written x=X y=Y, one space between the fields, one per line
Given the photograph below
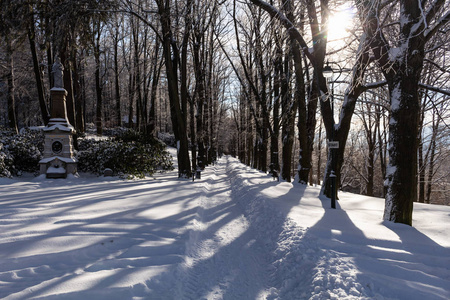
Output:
x=20 y=153
x=129 y=154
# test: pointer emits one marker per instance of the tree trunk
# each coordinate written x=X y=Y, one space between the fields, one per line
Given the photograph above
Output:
x=401 y=174
x=116 y=77
x=98 y=84
x=68 y=84
x=50 y=63
x=242 y=128
x=154 y=87
x=200 y=99
x=78 y=95
x=12 y=119
x=278 y=68
x=178 y=118
x=382 y=149
x=131 y=92
x=431 y=169
x=137 y=76
x=37 y=72
x=422 y=172
x=319 y=154
x=193 y=136
x=289 y=109
x=211 y=93
x=305 y=153
x=262 y=101
x=249 y=139
x=370 y=169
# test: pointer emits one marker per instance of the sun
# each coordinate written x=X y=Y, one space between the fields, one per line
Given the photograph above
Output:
x=339 y=24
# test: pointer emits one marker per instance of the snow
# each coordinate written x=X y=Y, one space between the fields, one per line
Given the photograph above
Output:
x=64 y=159
x=56 y=170
x=62 y=127
x=58 y=89
x=234 y=234
x=395 y=100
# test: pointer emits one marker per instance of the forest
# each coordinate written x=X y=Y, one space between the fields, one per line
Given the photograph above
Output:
x=349 y=95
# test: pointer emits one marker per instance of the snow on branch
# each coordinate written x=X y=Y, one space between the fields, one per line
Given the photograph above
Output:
x=374 y=85
x=434 y=89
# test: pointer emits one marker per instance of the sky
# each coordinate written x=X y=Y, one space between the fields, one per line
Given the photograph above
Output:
x=234 y=234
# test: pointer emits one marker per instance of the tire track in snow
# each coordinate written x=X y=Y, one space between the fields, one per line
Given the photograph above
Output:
x=224 y=260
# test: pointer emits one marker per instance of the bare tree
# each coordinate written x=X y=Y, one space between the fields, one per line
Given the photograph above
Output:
x=36 y=65
x=172 y=63
x=399 y=55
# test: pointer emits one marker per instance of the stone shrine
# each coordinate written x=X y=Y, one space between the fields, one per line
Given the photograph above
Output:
x=58 y=157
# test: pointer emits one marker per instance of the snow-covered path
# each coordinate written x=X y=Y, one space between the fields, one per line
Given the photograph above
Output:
x=224 y=260
x=234 y=234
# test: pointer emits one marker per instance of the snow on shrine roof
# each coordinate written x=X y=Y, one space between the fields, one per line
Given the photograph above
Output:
x=63 y=159
x=57 y=89
x=57 y=124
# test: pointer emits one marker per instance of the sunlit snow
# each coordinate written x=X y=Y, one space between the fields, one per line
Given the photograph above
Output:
x=234 y=234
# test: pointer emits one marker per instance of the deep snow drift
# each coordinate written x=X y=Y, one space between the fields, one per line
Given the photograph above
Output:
x=234 y=234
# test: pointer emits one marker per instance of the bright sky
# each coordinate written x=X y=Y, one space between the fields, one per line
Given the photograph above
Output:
x=338 y=24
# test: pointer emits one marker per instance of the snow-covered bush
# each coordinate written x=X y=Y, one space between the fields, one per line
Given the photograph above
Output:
x=6 y=162
x=129 y=153
x=116 y=131
x=26 y=149
x=20 y=153
x=168 y=139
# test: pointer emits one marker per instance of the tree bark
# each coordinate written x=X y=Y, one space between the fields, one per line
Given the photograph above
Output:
x=278 y=68
x=289 y=108
x=431 y=165
x=79 y=99
x=98 y=84
x=154 y=87
x=200 y=98
x=421 y=168
x=116 y=77
x=12 y=118
x=403 y=129
x=170 y=50
x=36 y=68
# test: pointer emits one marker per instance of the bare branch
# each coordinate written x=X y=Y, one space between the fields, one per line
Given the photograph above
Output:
x=439 y=24
x=290 y=27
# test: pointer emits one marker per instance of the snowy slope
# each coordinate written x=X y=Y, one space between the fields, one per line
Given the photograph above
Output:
x=234 y=234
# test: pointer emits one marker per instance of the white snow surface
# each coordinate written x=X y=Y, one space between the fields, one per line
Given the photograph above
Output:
x=61 y=158
x=234 y=234
x=56 y=170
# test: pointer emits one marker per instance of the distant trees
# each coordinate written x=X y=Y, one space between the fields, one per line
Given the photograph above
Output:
x=10 y=33
x=186 y=31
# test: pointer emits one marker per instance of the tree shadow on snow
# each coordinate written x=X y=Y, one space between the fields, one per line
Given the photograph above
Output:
x=411 y=267
x=63 y=252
